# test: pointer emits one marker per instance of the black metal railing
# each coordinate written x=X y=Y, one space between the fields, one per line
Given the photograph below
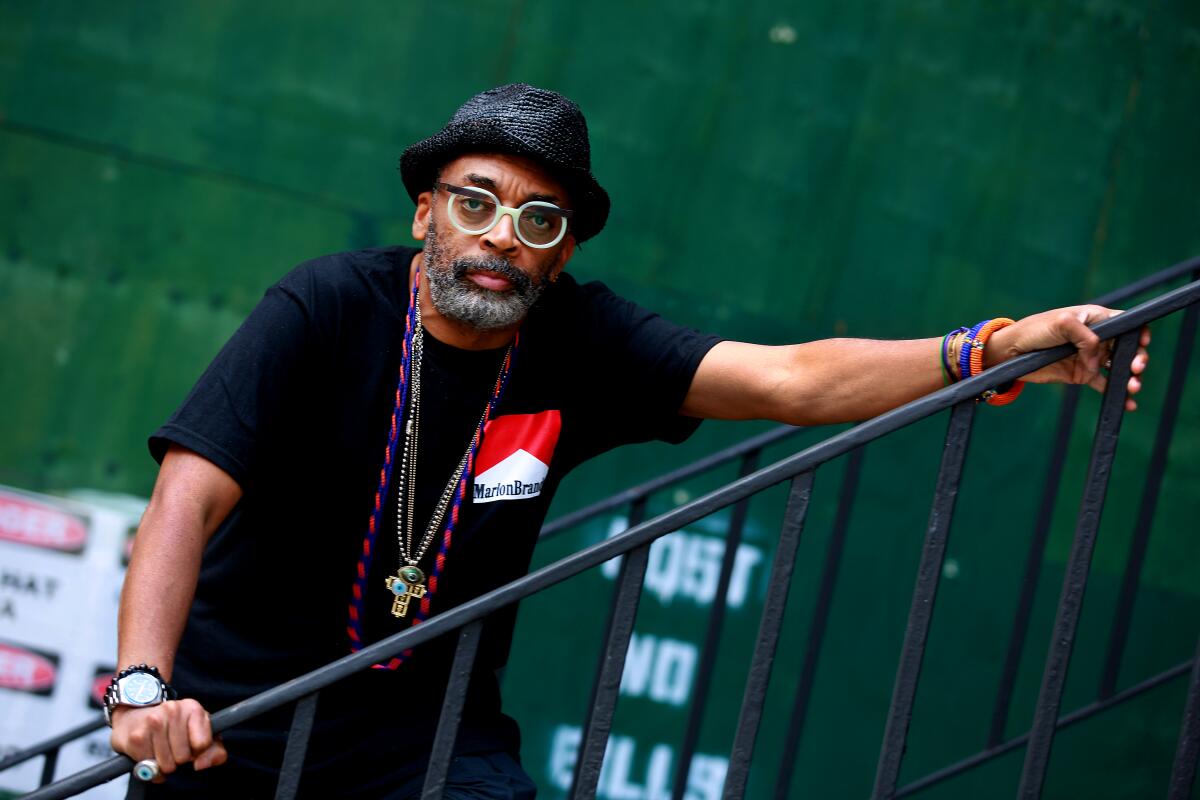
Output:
x=634 y=501
x=799 y=469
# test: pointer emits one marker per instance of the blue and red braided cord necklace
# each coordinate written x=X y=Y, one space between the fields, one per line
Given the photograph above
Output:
x=409 y=581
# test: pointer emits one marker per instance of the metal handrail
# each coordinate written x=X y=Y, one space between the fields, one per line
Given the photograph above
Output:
x=642 y=490
x=777 y=434
x=633 y=494
x=640 y=536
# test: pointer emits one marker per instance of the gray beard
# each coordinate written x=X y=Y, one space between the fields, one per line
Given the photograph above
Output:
x=459 y=298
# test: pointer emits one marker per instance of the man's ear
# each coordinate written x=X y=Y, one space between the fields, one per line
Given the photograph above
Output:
x=420 y=223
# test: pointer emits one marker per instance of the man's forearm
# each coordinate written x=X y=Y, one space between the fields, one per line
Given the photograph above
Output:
x=814 y=383
x=846 y=380
x=191 y=498
x=159 y=586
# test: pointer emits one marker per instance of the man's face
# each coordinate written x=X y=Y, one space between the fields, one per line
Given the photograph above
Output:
x=490 y=280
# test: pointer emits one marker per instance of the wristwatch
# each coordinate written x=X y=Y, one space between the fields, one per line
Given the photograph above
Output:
x=139 y=685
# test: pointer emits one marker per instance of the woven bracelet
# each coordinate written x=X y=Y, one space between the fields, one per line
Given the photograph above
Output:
x=1000 y=396
x=964 y=353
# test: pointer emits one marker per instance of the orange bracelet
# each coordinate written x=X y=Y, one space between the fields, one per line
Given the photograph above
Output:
x=992 y=396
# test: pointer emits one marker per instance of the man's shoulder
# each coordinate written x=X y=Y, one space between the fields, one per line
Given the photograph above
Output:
x=569 y=296
x=598 y=314
x=590 y=305
x=337 y=288
x=349 y=271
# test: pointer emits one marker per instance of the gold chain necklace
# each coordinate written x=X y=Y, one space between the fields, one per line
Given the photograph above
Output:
x=409 y=581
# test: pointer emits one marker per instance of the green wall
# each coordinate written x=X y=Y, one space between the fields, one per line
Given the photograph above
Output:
x=779 y=172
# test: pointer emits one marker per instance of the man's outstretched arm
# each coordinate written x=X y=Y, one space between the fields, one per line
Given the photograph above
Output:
x=191 y=497
x=845 y=380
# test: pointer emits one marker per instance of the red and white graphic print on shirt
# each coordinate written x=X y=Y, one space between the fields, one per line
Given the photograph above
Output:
x=515 y=456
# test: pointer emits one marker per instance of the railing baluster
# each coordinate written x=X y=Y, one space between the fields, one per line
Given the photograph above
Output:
x=712 y=635
x=920 y=614
x=768 y=637
x=1033 y=565
x=1104 y=448
x=637 y=513
x=48 y=766
x=628 y=592
x=816 y=628
x=1149 y=502
x=1187 y=752
x=452 y=706
x=297 y=746
x=1037 y=545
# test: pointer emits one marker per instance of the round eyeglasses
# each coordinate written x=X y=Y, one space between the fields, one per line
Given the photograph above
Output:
x=475 y=211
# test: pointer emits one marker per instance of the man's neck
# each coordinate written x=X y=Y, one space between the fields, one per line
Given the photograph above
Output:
x=451 y=331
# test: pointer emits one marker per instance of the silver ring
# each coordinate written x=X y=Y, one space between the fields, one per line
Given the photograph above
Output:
x=146 y=770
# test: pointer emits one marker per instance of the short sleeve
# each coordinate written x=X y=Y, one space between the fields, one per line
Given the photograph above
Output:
x=243 y=395
x=640 y=367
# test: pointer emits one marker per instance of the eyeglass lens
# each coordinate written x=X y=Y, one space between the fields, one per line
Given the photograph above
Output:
x=536 y=224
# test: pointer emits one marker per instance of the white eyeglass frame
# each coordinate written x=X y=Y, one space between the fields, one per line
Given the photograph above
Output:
x=477 y=193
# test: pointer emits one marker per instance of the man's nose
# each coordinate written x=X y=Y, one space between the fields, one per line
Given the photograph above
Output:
x=503 y=237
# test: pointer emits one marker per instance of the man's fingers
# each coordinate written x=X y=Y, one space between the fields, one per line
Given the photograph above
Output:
x=173 y=733
x=213 y=756
x=1093 y=358
x=1140 y=361
x=199 y=730
x=157 y=724
x=133 y=742
x=1099 y=382
x=1091 y=314
x=208 y=750
x=179 y=733
x=1073 y=328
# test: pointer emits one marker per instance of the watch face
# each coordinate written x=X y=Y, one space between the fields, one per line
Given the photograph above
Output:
x=140 y=689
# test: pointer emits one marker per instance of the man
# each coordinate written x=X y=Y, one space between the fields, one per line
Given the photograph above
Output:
x=381 y=439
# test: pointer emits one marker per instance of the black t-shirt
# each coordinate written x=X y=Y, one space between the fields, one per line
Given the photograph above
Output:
x=296 y=408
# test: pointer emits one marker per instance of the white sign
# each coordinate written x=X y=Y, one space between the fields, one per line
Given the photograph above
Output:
x=620 y=779
x=61 y=566
x=660 y=669
x=688 y=565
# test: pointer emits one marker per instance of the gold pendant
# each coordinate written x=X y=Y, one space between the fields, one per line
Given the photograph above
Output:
x=409 y=583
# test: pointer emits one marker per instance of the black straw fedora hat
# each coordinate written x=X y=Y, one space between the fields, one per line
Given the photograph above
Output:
x=521 y=120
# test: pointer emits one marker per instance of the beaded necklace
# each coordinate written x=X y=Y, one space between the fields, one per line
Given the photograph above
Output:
x=409 y=581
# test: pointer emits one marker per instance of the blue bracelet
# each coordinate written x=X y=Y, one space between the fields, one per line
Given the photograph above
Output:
x=964 y=355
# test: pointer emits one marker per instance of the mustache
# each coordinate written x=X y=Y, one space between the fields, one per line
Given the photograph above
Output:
x=521 y=282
